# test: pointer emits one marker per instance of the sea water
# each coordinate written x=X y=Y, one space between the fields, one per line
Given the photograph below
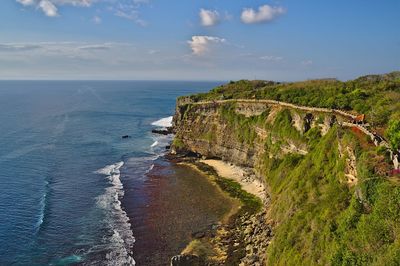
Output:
x=62 y=165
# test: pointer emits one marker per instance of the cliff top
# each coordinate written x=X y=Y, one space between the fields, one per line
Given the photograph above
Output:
x=377 y=96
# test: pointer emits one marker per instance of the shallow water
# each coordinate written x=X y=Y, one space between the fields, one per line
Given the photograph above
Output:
x=177 y=201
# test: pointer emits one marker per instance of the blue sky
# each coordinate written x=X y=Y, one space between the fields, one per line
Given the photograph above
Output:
x=198 y=40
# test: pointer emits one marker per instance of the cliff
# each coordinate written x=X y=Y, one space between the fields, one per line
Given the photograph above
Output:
x=335 y=195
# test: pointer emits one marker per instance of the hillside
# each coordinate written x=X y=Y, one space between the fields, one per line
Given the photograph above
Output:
x=334 y=193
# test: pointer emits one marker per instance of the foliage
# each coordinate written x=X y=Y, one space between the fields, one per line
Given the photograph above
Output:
x=283 y=128
x=323 y=221
x=251 y=203
x=178 y=143
x=377 y=96
x=242 y=126
x=393 y=133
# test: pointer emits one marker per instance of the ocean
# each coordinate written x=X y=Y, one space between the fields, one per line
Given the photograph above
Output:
x=73 y=191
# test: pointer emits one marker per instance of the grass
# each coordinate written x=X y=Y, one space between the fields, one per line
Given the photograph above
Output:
x=178 y=143
x=242 y=126
x=202 y=249
x=323 y=221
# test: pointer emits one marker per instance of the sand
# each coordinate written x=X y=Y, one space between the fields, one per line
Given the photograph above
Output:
x=238 y=174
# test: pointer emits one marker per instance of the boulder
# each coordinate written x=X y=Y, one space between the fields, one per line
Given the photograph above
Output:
x=186 y=260
x=163 y=131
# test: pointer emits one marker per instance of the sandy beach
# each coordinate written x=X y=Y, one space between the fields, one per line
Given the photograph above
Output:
x=238 y=174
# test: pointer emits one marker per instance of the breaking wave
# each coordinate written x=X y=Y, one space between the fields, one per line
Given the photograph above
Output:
x=163 y=122
x=120 y=241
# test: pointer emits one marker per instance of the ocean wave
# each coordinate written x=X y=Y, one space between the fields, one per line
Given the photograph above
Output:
x=159 y=144
x=150 y=168
x=163 y=122
x=111 y=169
x=42 y=208
x=120 y=241
x=155 y=143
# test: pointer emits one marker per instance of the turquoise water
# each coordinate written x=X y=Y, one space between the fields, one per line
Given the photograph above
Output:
x=63 y=160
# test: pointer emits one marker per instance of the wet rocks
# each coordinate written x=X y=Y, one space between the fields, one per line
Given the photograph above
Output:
x=186 y=260
x=163 y=131
x=199 y=234
x=245 y=242
x=256 y=235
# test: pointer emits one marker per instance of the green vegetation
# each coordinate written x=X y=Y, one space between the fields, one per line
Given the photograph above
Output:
x=251 y=203
x=321 y=220
x=209 y=136
x=321 y=217
x=240 y=124
x=283 y=128
x=202 y=249
x=378 y=96
x=178 y=143
x=393 y=133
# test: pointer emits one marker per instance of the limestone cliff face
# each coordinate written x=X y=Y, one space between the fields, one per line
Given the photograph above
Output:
x=202 y=130
x=244 y=133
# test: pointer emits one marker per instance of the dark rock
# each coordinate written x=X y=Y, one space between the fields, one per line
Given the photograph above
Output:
x=126 y=136
x=163 y=131
x=186 y=260
x=307 y=121
x=332 y=120
x=199 y=234
x=215 y=226
x=168 y=147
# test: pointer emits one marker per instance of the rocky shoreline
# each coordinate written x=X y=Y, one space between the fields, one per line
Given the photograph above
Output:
x=243 y=237
x=241 y=240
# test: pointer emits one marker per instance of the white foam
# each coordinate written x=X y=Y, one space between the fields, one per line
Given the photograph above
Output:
x=163 y=122
x=121 y=242
x=42 y=208
x=110 y=169
x=151 y=168
x=155 y=143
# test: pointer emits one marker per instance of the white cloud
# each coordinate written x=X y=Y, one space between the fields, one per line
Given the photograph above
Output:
x=131 y=14
x=264 y=13
x=15 y=47
x=307 y=62
x=48 y=8
x=271 y=58
x=209 y=17
x=201 y=44
x=138 y=2
x=26 y=2
x=104 y=46
x=128 y=9
x=228 y=16
x=151 y=52
x=97 y=20
x=59 y=47
x=74 y=2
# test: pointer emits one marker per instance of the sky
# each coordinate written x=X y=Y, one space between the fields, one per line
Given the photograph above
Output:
x=282 y=40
